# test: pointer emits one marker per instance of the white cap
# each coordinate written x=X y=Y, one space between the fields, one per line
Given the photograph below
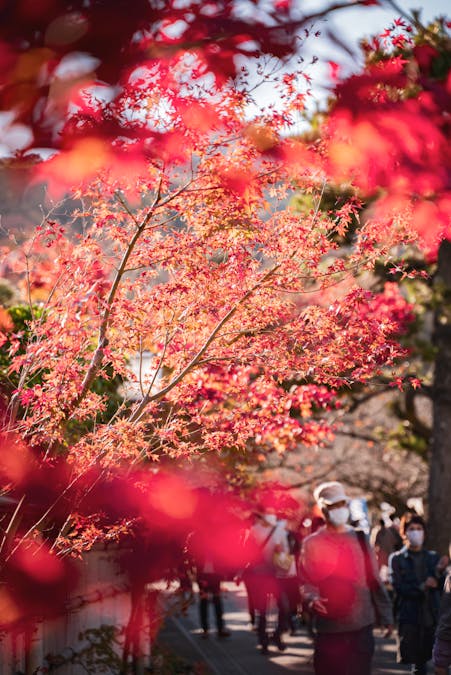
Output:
x=330 y=493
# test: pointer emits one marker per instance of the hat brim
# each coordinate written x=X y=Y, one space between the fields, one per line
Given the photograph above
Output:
x=331 y=502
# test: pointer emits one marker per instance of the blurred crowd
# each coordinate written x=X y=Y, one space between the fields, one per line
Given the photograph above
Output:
x=337 y=579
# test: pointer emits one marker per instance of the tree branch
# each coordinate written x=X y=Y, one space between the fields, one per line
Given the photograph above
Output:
x=136 y=415
x=102 y=341
x=198 y=356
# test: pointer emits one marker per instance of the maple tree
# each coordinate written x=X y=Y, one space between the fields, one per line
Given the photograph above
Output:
x=184 y=246
x=410 y=170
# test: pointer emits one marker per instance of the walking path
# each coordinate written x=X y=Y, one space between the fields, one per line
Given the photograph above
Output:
x=238 y=655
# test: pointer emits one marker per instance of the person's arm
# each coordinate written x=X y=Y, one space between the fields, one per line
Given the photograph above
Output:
x=441 y=570
x=444 y=620
x=310 y=593
x=380 y=596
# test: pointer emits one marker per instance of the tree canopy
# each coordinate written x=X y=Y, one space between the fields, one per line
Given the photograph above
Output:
x=184 y=248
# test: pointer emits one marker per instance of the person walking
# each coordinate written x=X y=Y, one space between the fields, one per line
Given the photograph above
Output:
x=209 y=582
x=441 y=652
x=286 y=560
x=387 y=540
x=208 y=577
x=266 y=537
x=416 y=575
x=342 y=588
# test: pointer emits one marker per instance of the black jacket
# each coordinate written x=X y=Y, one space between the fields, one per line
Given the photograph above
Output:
x=410 y=593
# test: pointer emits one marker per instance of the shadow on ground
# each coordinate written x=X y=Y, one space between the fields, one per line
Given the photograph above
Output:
x=239 y=654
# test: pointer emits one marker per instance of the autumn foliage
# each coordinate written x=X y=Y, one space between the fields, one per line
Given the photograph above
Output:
x=389 y=131
x=185 y=248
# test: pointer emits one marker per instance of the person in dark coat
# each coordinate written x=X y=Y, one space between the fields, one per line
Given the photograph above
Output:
x=417 y=578
x=208 y=577
x=387 y=540
x=441 y=654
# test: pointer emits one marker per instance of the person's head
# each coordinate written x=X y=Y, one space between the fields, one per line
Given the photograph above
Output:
x=333 y=502
x=412 y=530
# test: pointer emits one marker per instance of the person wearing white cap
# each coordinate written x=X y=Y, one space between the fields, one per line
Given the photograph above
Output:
x=342 y=588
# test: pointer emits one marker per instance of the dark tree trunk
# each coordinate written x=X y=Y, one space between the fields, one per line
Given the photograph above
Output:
x=440 y=458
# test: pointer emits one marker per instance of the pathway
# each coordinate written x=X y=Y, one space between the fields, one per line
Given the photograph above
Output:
x=238 y=655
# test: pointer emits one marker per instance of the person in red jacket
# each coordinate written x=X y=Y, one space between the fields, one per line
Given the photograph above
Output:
x=342 y=588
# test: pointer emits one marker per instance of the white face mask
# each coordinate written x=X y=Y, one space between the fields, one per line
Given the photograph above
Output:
x=415 y=537
x=339 y=516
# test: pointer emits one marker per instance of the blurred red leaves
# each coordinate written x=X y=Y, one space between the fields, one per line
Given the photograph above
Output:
x=6 y=323
x=6 y=326
x=235 y=180
x=273 y=497
x=88 y=158
x=392 y=140
x=36 y=583
x=424 y=56
x=172 y=498
x=161 y=513
x=110 y=38
x=35 y=561
x=198 y=116
x=154 y=514
x=394 y=146
x=16 y=461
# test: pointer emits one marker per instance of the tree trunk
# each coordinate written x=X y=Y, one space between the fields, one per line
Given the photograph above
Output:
x=440 y=457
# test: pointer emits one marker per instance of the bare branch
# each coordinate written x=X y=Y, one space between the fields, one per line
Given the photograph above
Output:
x=12 y=525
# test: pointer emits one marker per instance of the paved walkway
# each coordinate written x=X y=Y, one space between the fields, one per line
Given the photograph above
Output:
x=238 y=655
